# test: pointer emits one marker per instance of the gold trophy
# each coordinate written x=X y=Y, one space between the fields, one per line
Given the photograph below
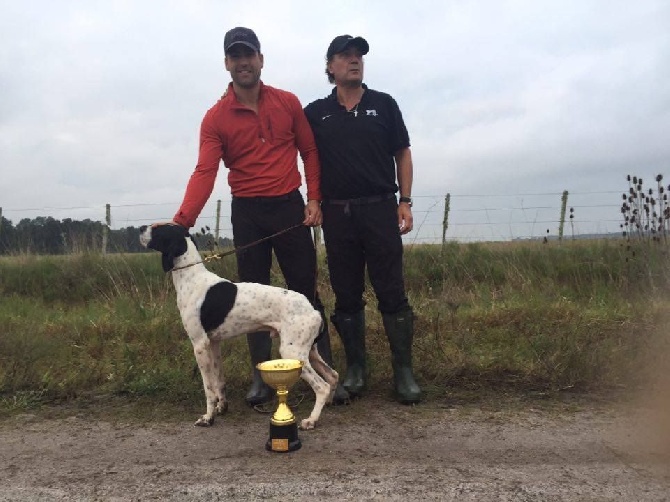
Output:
x=281 y=375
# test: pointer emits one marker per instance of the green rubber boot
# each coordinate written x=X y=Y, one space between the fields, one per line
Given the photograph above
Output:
x=351 y=328
x=341 y=396
x=400 y=333
x=260 y=350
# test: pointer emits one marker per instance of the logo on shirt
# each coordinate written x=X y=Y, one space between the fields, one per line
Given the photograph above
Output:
x=371 y=113
x=326 y=116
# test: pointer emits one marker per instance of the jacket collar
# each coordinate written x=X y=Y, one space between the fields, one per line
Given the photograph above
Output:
x=230 y=97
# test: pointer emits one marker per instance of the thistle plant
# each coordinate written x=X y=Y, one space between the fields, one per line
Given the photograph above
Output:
x=646 y=213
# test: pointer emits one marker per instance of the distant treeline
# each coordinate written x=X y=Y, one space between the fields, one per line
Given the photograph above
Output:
x=46 y=235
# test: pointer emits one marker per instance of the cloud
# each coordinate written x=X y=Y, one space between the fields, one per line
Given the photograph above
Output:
x=102 y=102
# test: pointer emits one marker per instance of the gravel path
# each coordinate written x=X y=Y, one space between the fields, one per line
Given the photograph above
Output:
x=371 y=450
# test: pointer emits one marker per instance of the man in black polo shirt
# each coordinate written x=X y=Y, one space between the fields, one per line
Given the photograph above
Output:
x=364 y=148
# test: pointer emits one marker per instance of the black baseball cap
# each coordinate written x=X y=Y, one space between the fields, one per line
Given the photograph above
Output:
x=342 y=42
x=243 y=36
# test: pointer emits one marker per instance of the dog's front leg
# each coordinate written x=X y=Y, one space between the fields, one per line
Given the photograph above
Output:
x=203 y=356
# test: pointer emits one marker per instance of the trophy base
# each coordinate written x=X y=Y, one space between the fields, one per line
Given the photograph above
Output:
x=283 y=438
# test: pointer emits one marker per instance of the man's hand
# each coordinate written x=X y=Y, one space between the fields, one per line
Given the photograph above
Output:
x=313 y=216
x=154 y=225
x=405 y=218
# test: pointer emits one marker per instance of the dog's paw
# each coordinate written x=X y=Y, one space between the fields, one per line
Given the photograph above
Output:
x=307 y=424
x=204 y=421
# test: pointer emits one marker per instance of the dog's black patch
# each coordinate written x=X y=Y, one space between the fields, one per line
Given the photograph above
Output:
x=170 y=241
x=219 y=300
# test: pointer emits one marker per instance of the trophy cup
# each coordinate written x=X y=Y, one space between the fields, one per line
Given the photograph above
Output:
x=281 y=374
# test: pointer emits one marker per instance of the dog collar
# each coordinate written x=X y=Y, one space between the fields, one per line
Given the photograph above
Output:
x=185 y=266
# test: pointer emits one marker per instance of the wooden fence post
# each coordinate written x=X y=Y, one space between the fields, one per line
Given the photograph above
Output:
x=105 y=228
x=564 y=203
x=445 y=221
x=217 y=227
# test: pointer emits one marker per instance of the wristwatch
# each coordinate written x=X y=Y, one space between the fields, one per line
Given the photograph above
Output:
x=408 y=200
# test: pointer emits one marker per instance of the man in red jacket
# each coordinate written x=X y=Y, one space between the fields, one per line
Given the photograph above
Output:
x=257 y=131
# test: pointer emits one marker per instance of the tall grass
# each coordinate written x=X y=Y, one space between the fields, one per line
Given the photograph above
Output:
x=532 y=316
x=580 y=314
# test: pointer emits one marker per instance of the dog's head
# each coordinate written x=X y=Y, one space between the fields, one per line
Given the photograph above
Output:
x=169 y=239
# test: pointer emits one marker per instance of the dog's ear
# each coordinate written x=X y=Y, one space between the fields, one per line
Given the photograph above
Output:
x=176 y=247
x=168 y=262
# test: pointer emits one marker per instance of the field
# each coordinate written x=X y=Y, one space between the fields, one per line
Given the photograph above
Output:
x=528 y=317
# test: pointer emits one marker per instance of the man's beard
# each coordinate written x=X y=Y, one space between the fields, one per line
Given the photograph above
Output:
x=248 y=84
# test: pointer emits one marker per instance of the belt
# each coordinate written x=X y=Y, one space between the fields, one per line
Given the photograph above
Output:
x=347 y=203
x=293 y=195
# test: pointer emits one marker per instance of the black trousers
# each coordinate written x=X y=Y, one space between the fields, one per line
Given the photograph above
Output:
x=254 y=218
x=357 y=235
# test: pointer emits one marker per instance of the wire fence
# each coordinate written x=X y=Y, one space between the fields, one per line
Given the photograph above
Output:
x=456 y=217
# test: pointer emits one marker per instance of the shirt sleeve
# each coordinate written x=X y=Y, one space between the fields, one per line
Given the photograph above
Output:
x=304 y=138
x=309 y=113
x=201 y=183
x=399 y=135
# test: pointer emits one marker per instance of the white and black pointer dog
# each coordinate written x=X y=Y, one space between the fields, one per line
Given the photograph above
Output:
x=213 y=309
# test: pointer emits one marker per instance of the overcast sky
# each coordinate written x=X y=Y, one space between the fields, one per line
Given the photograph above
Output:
x=508 y=103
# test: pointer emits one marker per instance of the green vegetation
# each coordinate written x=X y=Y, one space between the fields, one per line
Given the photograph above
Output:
x=526 y=316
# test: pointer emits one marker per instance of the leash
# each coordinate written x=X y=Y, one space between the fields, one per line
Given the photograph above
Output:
x=218 y=256
x=186 y=266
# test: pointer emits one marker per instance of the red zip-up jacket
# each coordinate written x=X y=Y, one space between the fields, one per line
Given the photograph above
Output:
x=260 y=150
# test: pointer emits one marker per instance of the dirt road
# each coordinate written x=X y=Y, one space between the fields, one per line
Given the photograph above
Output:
x=370 y=450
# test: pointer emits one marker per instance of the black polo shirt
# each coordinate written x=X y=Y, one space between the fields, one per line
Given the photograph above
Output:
x=357 y=147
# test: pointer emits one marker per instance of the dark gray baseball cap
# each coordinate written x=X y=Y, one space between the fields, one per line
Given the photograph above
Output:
x=342 y=42
x=243 y=36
